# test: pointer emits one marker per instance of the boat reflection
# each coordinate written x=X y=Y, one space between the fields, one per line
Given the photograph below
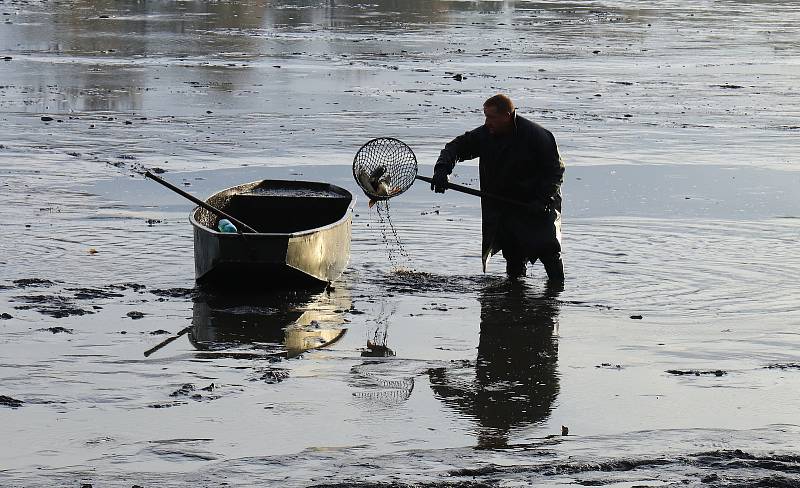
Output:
x=278 y=324
x=514 y=381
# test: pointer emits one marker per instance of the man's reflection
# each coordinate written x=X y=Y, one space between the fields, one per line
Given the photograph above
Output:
x=515 y=380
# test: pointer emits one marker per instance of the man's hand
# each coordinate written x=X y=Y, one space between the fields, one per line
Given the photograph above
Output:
x=439 y=184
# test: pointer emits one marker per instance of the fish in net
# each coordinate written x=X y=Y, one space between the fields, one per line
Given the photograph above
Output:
x=384 y=167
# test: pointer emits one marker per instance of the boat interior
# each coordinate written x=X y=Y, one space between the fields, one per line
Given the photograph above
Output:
x=279 y=206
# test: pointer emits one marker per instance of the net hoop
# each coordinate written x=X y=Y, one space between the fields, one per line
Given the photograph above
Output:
x=384 y=167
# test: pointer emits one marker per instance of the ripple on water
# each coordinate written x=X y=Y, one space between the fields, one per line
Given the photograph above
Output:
x=687 y=268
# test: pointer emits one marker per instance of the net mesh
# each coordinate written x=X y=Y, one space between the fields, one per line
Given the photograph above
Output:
x=384 y=167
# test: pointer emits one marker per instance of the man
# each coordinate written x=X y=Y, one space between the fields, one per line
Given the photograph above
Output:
x=518 y=159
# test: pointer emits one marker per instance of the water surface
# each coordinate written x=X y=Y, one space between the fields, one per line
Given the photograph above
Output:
x=670 y=356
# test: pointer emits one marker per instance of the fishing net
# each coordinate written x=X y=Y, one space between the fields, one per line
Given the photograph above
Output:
x=384 y=167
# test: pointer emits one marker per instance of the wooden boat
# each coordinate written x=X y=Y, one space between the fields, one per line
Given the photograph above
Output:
x=303 y=236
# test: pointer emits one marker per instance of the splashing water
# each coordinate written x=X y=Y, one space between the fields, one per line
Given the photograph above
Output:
x=398 y=257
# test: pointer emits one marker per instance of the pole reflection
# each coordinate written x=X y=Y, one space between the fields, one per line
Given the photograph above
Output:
x=514 y=380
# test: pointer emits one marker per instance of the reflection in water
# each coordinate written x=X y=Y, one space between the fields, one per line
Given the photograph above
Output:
x=376 y=346
x=159 y=57
x=277 y=324
x=380 y=385
x=121 y=53
x=515 y=381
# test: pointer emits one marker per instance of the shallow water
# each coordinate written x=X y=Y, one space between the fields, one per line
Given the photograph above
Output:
x=671 y=354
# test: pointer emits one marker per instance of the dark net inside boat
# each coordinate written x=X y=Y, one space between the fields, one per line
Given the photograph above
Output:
x=384 y=167
x=278 y=206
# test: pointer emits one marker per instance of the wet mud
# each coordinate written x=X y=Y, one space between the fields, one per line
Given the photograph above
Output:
x=784 y=366
x=74 y=301
x=7 y=401
x=669 y=357
x=691 y=372
x=57 y=330
x=55 y=306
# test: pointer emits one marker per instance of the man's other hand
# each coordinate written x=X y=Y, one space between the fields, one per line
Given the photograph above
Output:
x=439 y=184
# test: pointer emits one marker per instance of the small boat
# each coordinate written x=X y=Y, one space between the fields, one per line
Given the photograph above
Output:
x=302 y=239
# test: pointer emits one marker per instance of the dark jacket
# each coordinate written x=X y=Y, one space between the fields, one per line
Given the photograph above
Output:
x=525 y=166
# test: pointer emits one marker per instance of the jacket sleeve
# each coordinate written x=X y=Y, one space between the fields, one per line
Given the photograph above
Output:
x=539 y=180
x=552 y=167
x=463 y=147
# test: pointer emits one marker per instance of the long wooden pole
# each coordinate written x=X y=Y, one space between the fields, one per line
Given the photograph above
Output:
x=166 y=341
x=478 y=193
x=238 y=223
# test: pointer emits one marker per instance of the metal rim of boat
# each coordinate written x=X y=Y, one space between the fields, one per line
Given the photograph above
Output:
x=344 y=217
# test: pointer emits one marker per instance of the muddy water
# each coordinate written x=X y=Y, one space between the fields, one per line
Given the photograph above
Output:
x=670 y=356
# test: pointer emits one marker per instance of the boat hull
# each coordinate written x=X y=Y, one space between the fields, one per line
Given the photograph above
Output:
x=303 y=258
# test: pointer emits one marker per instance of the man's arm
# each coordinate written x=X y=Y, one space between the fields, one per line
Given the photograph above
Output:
x=539 y=185
x=552 y=169
x=462 y=148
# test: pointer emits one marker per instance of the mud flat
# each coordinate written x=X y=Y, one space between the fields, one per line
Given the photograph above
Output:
x=669 y=358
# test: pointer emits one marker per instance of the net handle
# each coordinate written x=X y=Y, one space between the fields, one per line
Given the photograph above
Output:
x=477 y=193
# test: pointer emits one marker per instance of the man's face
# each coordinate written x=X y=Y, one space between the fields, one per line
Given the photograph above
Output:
x=496 y=121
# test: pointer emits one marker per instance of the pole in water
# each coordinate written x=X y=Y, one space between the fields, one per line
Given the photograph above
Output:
x=166 y=341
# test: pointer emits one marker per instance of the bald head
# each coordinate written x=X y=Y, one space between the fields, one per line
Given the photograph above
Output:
x=499 y=112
